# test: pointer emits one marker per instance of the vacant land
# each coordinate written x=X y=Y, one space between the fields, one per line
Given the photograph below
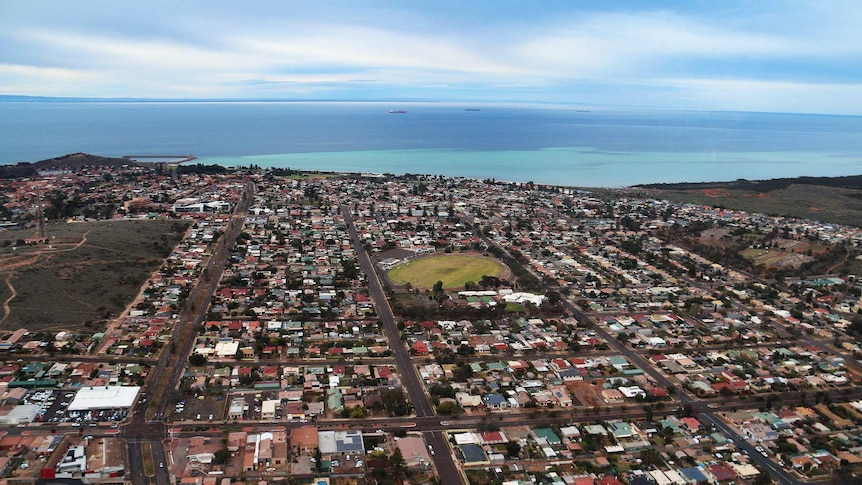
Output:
x=815 y=202
x=452 y=270
x=88 y=272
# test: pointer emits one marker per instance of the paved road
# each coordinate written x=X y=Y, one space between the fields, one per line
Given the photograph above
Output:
x=99 y=359
x=135 y=460
x=775 y=470
x=173 y=363
x=443 y=461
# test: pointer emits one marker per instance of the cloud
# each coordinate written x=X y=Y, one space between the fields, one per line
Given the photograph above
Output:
x=758 y=95
x=44 y=72
x=504 y=51
x=629 y=44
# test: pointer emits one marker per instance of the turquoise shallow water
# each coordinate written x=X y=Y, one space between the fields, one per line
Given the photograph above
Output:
x=599 y=147
x=584 y=167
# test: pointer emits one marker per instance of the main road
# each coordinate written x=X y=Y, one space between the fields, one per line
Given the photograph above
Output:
x=167 y=372
x=443 y=460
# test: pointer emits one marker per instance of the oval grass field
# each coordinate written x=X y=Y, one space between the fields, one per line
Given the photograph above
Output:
x=452 y=270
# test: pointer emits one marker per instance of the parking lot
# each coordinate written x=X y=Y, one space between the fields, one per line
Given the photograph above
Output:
x=199 y=408
x=54 y=408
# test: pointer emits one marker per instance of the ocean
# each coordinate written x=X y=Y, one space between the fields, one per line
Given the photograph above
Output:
x=596 y=147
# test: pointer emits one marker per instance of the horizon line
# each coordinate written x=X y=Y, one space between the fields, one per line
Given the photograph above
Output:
x=24 y=98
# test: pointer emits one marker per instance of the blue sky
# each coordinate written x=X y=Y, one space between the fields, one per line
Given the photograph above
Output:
x=785 y=56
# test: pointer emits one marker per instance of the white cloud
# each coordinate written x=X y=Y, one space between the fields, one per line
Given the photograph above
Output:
x=353 y=46
x=565 y=54
x=134 y=55
x=758 y=95
x=34 y=72
x=627 y=44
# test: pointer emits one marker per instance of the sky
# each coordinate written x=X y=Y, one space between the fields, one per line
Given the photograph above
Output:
x=768 y=55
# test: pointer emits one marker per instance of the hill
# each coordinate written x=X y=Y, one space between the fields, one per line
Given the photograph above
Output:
x=848 y=182
x=72 y=161
x=828 y=199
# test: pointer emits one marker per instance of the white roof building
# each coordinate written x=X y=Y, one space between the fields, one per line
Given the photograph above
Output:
x=25 y=413
x=226 y=349
x=108 y=397
x=467 y=438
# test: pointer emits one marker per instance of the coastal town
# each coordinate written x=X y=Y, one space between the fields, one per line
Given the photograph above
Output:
x=294 y=327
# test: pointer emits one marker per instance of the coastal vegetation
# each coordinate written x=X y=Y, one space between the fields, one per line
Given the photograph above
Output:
x=828 y=199
x=770 y=254
x=87 y=273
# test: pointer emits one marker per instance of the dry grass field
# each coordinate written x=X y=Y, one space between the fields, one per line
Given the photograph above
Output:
x=87 y=272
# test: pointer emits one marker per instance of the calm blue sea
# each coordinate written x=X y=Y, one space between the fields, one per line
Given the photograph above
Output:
x=598 y=147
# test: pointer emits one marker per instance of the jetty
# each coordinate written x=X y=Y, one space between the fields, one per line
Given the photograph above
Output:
x=169 y=159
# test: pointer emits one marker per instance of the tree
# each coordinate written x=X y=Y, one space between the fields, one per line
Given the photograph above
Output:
x=395 y=403
x=399 y=465
x=763 y=479
x=488 y=423
x=197 y=359
x=221 y=456
x=441 y=390
x=358 y=412
x=437 y=289
x=448 y=408
x=462 y=371
x=651 y=457
x=513 y=449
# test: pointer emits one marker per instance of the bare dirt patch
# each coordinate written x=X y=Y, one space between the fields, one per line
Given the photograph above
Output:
x=585 y=393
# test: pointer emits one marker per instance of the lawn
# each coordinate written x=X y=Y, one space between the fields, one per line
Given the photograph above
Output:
x=90 y=271
x=453 y=270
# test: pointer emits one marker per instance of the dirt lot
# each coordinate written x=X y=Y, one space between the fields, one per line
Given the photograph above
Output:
x=585 y=393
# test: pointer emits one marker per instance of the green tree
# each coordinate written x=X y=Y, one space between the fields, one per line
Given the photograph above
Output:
x=358 y=412
x=395 y=403
x=221 y=456
x=513 y=449
x=448 y=408
x=462 y=371
x=197 y=359
x=651 y=457
x=763 y=479
x=399 y=465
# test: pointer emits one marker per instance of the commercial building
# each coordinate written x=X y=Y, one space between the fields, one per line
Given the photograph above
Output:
x=107 y=397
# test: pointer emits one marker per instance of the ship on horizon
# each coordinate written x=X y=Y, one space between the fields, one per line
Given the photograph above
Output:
x=472 y=109
x=397 y=111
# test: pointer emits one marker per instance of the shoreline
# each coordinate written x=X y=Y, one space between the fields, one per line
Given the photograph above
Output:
x=571 y=167
x=576 y=167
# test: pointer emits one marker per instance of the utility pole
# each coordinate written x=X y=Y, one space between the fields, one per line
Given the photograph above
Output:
x=41 y=227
